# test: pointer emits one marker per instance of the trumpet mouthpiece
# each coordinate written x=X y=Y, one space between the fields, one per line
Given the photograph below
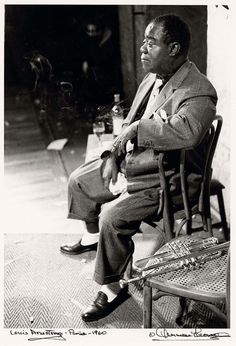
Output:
x=123 y=283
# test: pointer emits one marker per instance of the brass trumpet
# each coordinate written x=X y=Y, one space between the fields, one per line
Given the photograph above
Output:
x=184 y=252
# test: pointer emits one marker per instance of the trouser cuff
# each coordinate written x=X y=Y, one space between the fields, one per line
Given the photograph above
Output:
x=108 y=279
x=76 y=217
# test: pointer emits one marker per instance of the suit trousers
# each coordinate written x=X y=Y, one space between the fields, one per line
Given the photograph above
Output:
x=119 y=218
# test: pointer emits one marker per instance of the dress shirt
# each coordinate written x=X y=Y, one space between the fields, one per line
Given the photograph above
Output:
x=155 y=91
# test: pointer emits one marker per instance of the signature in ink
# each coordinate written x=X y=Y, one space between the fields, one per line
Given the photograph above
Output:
x=164 y=333
x=48 y=334
x=214 y=336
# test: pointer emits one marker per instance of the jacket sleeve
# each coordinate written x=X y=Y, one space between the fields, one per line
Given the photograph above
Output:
x=184 y=129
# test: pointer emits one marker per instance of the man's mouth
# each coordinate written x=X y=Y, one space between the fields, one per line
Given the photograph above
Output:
x=144 y=57
x=144 y=60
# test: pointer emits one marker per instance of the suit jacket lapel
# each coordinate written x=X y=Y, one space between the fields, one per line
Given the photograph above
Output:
x=164 y=94
x=174 y=82
x=141 y=93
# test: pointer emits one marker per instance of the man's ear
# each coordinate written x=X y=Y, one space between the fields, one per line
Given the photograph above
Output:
x=174 y=48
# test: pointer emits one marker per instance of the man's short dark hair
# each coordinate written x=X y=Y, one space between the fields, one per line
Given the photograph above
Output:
x=174 y=29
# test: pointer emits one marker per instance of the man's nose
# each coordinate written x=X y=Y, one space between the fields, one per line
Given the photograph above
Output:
x=143 y=48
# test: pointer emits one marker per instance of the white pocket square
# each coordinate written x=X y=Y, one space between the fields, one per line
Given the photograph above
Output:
x=163 y=114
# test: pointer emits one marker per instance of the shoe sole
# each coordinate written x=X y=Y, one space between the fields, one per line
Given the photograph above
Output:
x=76 y=253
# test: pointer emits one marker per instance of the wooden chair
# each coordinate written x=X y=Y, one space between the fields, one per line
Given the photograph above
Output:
x=179 y=283
x=186 y=211
x=208 y=284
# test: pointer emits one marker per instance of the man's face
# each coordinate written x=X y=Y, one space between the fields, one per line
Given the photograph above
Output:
x=155 y=53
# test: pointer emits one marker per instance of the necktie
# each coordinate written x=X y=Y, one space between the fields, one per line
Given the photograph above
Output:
x=143 y=105
x=146 y=102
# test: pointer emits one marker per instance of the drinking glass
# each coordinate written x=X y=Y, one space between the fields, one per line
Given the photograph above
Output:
x=99 y=130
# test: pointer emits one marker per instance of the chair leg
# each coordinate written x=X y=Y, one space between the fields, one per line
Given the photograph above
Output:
x=129 y=269
x=147 y=307
x=189 y=226
x=204 y=222
x=207 y=225
x=182 y=309
x=223 y=215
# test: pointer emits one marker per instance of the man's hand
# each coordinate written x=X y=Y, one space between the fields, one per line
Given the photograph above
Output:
x=110 y=171
x=128 y=133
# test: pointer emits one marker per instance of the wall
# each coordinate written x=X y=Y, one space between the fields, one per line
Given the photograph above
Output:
x=219 y=69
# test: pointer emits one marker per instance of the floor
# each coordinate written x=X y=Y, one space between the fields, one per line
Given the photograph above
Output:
x=35 y=178
x=44 y=288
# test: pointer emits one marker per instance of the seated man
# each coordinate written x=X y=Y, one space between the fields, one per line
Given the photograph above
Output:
x=173 y=109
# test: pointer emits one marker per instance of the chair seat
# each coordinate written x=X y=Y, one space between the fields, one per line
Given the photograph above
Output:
x=199 y=284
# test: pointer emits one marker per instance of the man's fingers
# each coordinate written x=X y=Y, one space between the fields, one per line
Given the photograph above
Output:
x=106 y=182
x=116 y=143
x=115 y=146
x=106 y=179
x=119 y=144
x=114 y=177
x=123 y=145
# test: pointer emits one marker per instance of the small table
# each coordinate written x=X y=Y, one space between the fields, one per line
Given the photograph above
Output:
x=94 y=149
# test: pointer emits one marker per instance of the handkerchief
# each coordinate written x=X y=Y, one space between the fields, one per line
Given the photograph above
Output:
x=163 y=114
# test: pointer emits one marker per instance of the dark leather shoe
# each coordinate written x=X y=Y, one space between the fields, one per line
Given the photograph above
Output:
x=78 y=248
x=101 y=308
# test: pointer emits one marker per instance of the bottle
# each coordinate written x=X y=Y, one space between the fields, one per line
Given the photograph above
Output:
x=117 y=115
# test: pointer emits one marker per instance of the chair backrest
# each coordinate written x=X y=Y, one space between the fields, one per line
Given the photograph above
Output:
x=204 y=197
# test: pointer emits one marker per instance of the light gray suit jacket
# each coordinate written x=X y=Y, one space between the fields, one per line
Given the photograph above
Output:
x=179 y=118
